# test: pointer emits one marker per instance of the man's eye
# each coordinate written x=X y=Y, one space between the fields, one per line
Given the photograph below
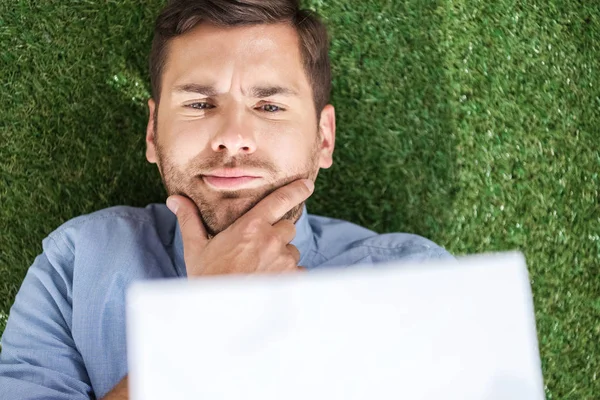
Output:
x=270 y=108
x=200 y=106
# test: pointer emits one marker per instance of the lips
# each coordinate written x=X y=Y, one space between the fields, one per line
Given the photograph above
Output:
x=231 y=178
x=220 y=182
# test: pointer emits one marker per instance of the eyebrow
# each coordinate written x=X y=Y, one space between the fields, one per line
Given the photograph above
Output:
x=206 y=90
x=255 y=91
x=267 y=91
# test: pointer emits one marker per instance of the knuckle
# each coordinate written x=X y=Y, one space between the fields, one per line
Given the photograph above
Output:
x=294 y=252
x=290 y=261
x=289 y=225
x=253 y=226
x=273 y=240
x=292 y=248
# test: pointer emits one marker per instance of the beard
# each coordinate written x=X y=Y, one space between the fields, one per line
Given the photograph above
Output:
x=219 y=209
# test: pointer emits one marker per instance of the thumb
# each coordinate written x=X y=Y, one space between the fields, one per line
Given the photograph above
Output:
x=193 y=231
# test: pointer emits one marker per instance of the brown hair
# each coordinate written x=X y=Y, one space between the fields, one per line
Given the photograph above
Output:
x=180 y=16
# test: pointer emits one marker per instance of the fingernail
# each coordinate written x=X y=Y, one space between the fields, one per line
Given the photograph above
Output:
x=309 y=184
x=173 y=205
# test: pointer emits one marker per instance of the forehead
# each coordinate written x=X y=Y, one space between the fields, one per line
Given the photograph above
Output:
x=266 y=53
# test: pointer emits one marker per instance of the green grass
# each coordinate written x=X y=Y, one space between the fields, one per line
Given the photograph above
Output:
x=474 y=123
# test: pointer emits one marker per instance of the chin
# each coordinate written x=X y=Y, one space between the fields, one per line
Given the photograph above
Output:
x=220 y=216
x=219 y=210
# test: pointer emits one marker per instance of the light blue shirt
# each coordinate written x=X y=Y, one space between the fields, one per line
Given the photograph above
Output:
x=65 y=335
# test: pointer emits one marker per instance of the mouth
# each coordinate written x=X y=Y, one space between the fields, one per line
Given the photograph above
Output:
x=232 y=179
x=231 y=183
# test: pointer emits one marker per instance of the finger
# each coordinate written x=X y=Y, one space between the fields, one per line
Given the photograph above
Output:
x=277 y=204
x=193 y=231
x=293 y=250
x=292 y=271
x=286 y=230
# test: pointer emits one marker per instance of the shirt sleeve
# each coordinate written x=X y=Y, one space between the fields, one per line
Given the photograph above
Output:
x=39 y=359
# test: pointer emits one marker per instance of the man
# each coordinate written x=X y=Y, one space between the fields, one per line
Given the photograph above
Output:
x=239 y=127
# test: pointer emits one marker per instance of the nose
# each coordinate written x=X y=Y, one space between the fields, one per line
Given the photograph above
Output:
x=234 y=137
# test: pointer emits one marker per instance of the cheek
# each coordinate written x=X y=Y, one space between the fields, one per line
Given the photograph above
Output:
x=290 y=149
x=186 y=141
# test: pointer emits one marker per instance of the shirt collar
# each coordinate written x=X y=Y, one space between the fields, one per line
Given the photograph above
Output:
x=303 y=241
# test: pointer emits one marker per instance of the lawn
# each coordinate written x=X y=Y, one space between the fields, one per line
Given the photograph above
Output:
x=473 y=123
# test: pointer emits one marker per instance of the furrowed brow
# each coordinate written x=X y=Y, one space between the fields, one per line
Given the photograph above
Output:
x=206 y=90
x=267 y=91
x=256 y=91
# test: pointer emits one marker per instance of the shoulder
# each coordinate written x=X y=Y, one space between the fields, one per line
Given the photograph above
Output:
x=116 y=223
x=340 y=242
x=402 y=246
x=334 y=236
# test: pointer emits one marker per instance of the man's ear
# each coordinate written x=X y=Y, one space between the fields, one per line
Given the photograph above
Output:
x=327 y=131
x=150 y=129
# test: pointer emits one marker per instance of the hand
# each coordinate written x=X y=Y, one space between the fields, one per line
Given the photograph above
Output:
x=256 y=242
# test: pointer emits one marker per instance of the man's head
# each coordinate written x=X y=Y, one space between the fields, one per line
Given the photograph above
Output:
x=240 y=88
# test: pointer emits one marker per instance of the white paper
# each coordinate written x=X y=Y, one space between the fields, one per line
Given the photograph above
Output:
x=431 y=331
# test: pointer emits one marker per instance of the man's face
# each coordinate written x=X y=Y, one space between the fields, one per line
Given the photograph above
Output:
x=236 y=120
